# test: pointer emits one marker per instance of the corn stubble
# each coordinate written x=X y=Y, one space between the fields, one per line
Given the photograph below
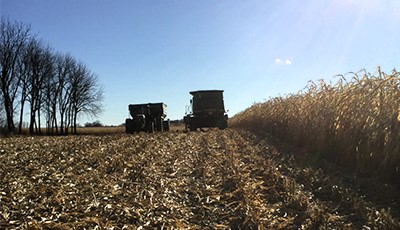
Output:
x=205 y=180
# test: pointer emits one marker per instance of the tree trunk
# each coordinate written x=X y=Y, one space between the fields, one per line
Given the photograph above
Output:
x=75 y=123
x=38 y=127
x=9 y=114
x=21 y=115
x=31 y=122
x=62 y=123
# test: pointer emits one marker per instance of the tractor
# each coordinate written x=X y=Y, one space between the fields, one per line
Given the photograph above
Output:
x=147 y=117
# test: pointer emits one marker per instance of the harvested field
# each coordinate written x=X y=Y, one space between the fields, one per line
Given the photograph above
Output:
x=215 y=179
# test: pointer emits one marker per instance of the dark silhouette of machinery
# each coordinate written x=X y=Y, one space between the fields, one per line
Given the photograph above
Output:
x=207 y=110
x=147 y=117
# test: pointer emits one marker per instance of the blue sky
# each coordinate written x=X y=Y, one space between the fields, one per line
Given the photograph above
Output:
x=157 y=51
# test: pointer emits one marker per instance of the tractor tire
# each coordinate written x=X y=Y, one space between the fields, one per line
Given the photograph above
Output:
x=159 y=125
x=192 y=127
x=129 y=126
x=150 y=127
x=166 y=125
x=223 y=123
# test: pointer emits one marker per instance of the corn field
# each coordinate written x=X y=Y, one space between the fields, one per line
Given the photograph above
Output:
x=243 y=177
x=354 y=123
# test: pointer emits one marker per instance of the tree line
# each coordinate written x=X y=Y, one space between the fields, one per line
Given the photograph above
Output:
x=41 y=84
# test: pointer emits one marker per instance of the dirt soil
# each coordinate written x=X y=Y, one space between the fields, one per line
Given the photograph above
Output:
x=199 y=180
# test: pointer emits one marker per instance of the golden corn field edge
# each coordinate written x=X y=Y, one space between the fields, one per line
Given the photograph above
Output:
x=199 y=180
x=354 y=123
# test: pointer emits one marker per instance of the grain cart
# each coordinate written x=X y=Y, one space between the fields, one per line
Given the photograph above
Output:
x=147 y=117
x=207 y=110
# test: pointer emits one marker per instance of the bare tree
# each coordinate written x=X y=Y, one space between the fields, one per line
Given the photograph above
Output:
x=54 y=84
x=86 y=94
x=41 y=68
x=13 y=37
x=25 y=70
x=50 y=95
x=64 y=65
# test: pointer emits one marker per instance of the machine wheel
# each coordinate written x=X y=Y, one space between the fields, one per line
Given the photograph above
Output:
x=223 y=124
x=129 y=126
x=166 y=125
x=159 y=125
x=150 y=127
x=192 y=127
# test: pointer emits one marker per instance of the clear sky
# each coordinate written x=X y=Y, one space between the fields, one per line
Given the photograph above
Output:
x=157 y=51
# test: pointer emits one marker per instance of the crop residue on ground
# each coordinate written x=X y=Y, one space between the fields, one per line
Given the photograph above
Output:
x=216 y=179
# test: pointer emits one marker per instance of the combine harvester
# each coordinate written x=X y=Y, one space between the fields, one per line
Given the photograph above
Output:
x=147 y=117
x=206 y=110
